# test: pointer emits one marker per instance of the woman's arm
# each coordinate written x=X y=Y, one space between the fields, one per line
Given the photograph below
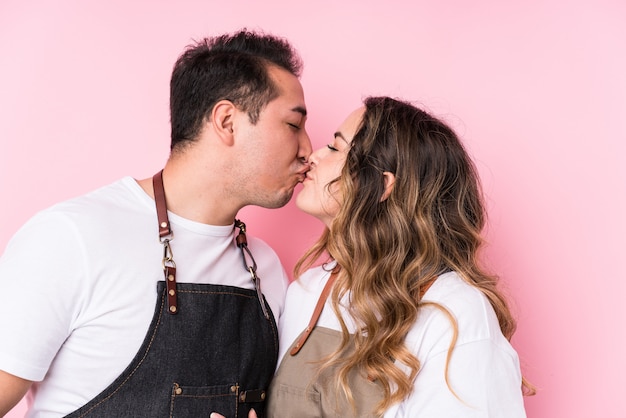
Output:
x=486 y=379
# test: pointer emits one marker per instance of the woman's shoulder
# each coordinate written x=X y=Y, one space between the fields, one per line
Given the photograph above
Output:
x=456 y=295
x=311 y=282
x=305 y=290
x=453 y=300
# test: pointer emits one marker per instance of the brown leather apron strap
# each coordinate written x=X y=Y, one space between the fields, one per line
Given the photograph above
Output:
x=161 y=206
x=320 y=307
x=426 y=286
x=316 y=313
x=165 y=232
x=169 y=267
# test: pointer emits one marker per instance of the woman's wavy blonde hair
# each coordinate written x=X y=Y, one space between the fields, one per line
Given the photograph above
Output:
x=390 y=249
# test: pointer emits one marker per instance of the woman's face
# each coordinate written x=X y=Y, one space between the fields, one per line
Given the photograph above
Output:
x=317 y=198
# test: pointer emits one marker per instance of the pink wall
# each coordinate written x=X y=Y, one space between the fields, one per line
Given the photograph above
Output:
x=537 y=90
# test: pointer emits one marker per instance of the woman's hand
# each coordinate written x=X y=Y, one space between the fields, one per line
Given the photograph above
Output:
x=251 y=414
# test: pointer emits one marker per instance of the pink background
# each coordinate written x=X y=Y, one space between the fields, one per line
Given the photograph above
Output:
x=536 y=89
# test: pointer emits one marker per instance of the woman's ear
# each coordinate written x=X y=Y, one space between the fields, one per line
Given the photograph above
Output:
x=222 y=117
x=390 y=180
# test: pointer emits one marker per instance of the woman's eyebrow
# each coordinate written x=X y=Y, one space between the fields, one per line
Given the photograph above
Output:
x=340 y=135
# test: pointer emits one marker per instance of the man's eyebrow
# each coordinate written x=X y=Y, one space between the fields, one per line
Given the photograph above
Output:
x=340 y=135
x=300 y=110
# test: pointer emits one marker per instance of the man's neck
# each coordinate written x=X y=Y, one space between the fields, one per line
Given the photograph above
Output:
x=192 y=194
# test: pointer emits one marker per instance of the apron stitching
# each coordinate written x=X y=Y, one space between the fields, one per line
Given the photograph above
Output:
x=172 y=396
x=138 y=364
x=204 y=292
x=275 y=334
x=202 y=396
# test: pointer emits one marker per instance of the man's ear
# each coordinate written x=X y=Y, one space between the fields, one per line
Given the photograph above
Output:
x=222 y=118
x=390 y=180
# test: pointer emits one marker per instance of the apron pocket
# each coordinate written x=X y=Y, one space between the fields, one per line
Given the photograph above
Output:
x=200 y=401
x=294 y=402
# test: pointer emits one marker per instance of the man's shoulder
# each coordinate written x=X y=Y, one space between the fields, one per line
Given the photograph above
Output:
x=120 y=195
x=262 y=249
x=114 y=204
x=118 y=192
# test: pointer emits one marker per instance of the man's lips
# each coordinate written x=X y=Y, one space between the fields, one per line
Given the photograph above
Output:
x=303 y=174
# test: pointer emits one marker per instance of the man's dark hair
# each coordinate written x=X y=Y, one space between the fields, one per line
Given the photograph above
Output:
x=228 y=67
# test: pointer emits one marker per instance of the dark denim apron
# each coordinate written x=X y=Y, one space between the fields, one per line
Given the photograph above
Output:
x=214 y=350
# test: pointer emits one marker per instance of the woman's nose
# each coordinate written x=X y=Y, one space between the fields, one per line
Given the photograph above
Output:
x=315 y=156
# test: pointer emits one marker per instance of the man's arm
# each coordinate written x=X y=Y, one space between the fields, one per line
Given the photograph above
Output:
x=12 y=390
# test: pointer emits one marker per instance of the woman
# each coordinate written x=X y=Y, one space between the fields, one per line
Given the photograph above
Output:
x=412 y=326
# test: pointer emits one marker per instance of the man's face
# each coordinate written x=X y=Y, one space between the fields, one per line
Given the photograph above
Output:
x=277 y=146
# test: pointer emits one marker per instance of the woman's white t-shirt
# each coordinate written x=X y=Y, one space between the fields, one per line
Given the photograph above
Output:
x=484 y=369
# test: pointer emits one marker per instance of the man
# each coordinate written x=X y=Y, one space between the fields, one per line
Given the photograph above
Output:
x=142 y=298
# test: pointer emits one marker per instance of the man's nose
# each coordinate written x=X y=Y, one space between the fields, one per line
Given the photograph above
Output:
x=305 y=148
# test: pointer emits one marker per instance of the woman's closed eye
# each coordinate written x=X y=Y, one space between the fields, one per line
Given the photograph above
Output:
x=332 y=148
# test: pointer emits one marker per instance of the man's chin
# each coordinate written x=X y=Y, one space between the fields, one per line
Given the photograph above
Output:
x=284 y=200
x=278 y=201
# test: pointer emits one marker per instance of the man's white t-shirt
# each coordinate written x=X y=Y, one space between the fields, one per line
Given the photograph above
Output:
x=484 y=369
x=79 y=282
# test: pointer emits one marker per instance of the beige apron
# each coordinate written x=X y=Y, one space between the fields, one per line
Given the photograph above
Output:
x=298 y=390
